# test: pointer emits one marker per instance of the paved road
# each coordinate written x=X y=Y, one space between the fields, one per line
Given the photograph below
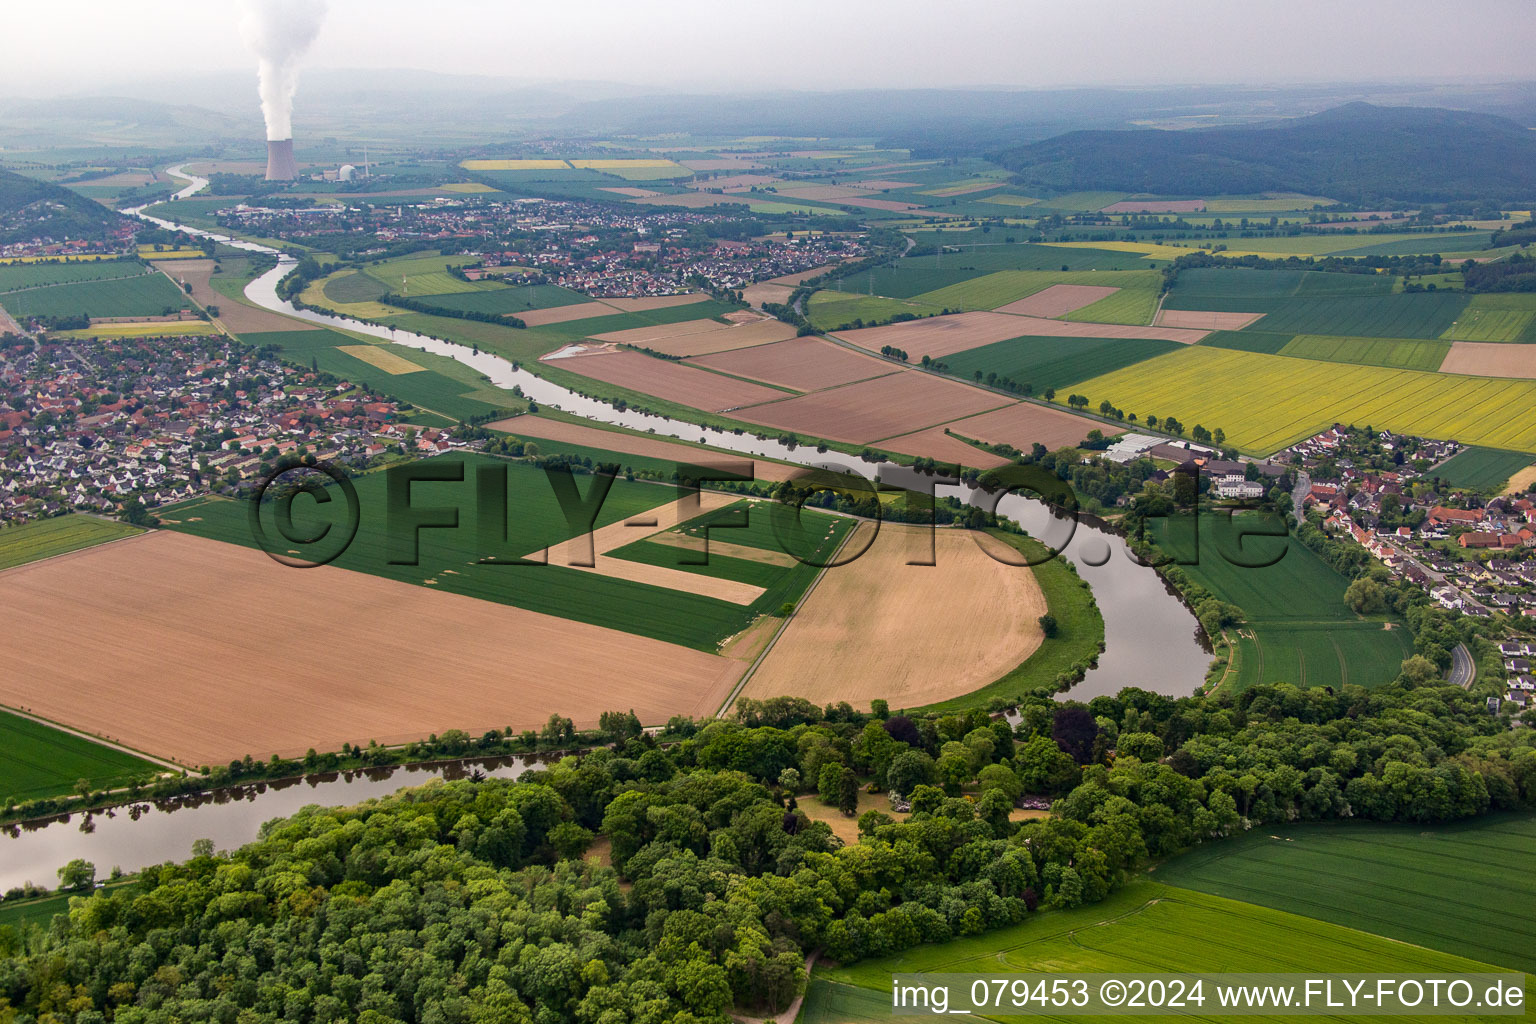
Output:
x=1299 y=495
x=1462 y=669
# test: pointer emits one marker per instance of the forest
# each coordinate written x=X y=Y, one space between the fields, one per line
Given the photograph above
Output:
x=675 y=878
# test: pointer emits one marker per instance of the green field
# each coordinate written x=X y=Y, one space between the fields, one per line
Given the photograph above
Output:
x=991 y=256
x=505 y=300
x=1401 y=353
x=424 y=275
x=40 y=275
x=1449 y=888
x=670 y=615
x=44 y=538
x=829 y=310
x=1133 y=304
x=905 y=279
x=1482 y=469
x=37 y=760
x=38 y=912
x=1054 y=362
x=444 y=386
x=354 y=287
x=149 y=294
x=1265 y=402
x=1297 y=628
x=1143 y=928
x=1247 y=341
x=1484 y=321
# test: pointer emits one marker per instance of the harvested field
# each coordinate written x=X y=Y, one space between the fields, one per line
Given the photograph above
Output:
x=674 y=382
x=1058 y=300
x=1204 y=320
x=1023 y=424
x=802 y=276
x=380 y=357
x=759 y=294
x=935 y=443
x=645 y=302
x=878 y=627
x=697 y=339
x=1521 y=482
x=804 y=364
x=589 y=552
x=235 y=316
x=632 y=444
x=725 y=549
x=164 y=607
x=940 y=336
x=1490 y=359
x=564 y=314
x=628 y=190
x=898 y=403
x=1156 y=206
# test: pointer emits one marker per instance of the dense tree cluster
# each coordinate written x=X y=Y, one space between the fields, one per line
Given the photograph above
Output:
x=472 y=901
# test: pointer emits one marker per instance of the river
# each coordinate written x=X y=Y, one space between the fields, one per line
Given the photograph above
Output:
x=1150 y=637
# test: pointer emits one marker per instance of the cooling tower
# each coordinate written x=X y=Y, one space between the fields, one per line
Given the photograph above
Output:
x=280 y=163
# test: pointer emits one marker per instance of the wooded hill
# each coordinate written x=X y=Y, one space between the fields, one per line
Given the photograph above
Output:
x=36 y=209
x=1357 y=153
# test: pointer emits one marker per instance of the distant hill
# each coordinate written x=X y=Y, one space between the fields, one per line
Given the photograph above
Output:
x=36 y=209
x=1356 y=153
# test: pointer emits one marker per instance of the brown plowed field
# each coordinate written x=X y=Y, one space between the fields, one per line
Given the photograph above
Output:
x=757 y=294
x=204 y=652
x=648 y=336
x=645 y=302
x=805 y=364
x=647 y=447
x=940 y=336
x=1023 y=424
x=869 y=410
x=803 y=275
x=1485 y=359
x=1204 y=320
x=236 y=316
x=933 y=443
x=911 y=634
x=565 y=314
x=1058 y=300
x=671 y=381
x=696 y=339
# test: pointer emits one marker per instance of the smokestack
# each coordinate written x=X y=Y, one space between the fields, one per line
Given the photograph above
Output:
x=280 y=163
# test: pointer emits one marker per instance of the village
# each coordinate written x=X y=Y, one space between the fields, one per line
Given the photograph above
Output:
x=1472 y=553
x=123 y=426
x=602 y=250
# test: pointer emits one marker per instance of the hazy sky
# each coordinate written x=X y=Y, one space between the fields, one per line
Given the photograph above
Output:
x=69 y=46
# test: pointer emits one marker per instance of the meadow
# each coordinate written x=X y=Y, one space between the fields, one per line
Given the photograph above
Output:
x=1400 y=353
x=828 y=310
x=44 y=538
x=1486 y=321
x=985 y=257
x=443 y=385
x=1297 y=628
x=1054 y=362
x=14 y=276
x=1143 y=928
x=451 y=559
x=504 y=300
x=1393 y=880
x=38 y=761
x=1482 y=469
x=1265 y=402
x=147 y=294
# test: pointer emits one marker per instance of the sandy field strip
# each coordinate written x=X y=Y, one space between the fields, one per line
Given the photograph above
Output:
x=1023 y=424
x=1155 y=206
x=725 y=549
x=758 y=294
x=8 y=324
x=723 y=338
x=802 y=276
x=934 y=443
x=1490 y=359
x=1204 y=320
x=669 y=380
x=898 y=403
x=645 y=302
x=631 y=444
x=381 y=358
x=236 y=316
x=629 y=190
x=1521 y=481
x=805 y=364
x=911 y=634
x=1058 y=300
x=589 y=553
x=183 y=647
x=565 y=314
x=939 y=336
x=660 y=332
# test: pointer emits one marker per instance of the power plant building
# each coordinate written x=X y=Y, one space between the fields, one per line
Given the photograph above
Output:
x=281 y=166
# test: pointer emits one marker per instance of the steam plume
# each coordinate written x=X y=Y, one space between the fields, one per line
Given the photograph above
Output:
x=280 y=31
